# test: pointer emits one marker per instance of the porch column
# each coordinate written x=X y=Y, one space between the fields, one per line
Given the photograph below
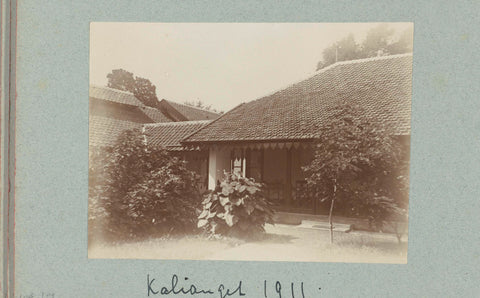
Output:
x=212 y=168
x=218 y=162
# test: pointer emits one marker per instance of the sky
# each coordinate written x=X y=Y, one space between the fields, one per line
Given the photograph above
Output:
x=220 y=64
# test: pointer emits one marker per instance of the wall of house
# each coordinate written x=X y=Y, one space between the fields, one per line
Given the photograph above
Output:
x=108 y=109
x=300 y=158
x=285 y=178
x=275 y=166
x=218 y=162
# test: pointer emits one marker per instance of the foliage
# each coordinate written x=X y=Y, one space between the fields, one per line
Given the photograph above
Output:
x=137 y=190
x=199 y=104
x=145 y=91
x=379 y=40
x=97 y=188
x=122 y=80
x=345 y=49
x=359 y=164
x=141 y=88
x=164 y=201
x=238 y=207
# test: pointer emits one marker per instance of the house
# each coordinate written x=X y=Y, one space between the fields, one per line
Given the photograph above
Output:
x=271 y=138
x=113 y=111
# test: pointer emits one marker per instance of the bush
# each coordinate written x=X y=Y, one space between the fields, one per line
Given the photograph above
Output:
x=97 y=189
x=238 y=207
x=137 y=190
x=164 y=202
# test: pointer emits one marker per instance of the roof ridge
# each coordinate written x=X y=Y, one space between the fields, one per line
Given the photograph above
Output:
x=144 y=106
x=177 y=123
x=114 y=119
x=112 y=89
x=188 y=106
x=141 y=105
x=338 y=63
x=369 y=59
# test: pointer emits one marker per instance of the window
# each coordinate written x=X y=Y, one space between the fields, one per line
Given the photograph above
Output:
x=237 y=162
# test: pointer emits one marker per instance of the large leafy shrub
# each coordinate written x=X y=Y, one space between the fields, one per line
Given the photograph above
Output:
x=138 y=190
x=163 y=202
x=97 y=190
x=238 y=207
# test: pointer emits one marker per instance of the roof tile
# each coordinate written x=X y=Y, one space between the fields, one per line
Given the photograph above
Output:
x=114 y=95
x=104 y=131
x=155 y=114
x=193 y=113
x=170 y=134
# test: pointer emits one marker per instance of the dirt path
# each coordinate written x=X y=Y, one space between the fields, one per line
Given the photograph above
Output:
x=281 y=243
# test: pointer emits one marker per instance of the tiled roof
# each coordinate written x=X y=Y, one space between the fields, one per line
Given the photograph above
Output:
x=128 y=100
x=170 y=134
x=114 y=95
x=193 y=113
x=155 y=114
x=104 y=131
x=381 y=85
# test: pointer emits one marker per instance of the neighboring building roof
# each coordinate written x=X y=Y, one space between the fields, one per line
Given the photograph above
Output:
x=155 y=114
x=114 y=111
x=188 y=112
x=170 y=134
x=114 y=95
x=381 y=85
x=104 y=131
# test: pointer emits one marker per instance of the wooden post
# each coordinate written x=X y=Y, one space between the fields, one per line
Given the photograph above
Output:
x=262 y=164
x=331 y=210
x=288 y=178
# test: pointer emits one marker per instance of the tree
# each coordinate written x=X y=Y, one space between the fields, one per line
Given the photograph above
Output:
x=404 y=44
x=141 y=88
x=357 y=163
x=145 y=91
x=377 y=41
x=380 y=40
x=199 y=104
x=122 y=80
x=345 y=49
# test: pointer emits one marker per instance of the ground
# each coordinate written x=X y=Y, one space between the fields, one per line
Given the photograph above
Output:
x=280 y=243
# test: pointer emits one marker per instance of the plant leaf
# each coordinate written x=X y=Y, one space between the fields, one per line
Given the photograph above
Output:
x=249 y=208
x=224 y=200
x=201 y=223
x=203 y=214
x=230 y=219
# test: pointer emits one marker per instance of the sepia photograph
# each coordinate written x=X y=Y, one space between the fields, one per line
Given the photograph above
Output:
x=250 y=141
